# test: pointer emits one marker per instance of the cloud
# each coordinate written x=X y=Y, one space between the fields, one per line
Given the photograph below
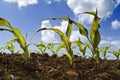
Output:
x=105 y=42
x=110 y=41
x=47 y=36
x=50 y=1
x=115 y=24
x=118 y=2
x=23 y=3
x=105 y=8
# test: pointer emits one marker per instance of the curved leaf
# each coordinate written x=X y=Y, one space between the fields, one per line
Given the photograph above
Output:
x=63 y=38
x=60 y=46
x=69 y=29
x=9 y=43
x=20 y=38
x=94 y=33
x=4 y=22
x=3 y=29
x=70 y=58
x=82 y=29
x=61 y=18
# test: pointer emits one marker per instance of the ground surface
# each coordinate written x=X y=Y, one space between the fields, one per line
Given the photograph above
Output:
x=44 y=67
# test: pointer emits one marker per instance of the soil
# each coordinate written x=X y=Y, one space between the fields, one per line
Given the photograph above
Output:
x=45 y=67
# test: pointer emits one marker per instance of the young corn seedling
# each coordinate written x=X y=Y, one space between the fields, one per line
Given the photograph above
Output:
x=82 y=47
x=104 y=51
x=51 y=46
x=94 y=34
x=18 y=36
x=9 y=46
x=116 y=53
x=41 y=47
x=94 y=38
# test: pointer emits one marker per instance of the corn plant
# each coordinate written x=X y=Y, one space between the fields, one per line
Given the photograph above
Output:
x=41 y=47
x=116 y=53
x=82 y=46
x=104 y=51
x=19 y=38
x=9 y=46
x=94 y=34
x=51 y=46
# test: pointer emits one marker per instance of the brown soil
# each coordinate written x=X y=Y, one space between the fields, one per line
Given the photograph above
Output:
x=45 y=67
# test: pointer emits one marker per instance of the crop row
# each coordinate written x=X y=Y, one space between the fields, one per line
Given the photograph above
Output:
x=93 y=37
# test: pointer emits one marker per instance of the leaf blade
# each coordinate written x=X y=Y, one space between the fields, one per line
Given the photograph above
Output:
x=4 y=22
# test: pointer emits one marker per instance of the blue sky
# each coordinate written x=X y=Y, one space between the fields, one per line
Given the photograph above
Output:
x=31 y=15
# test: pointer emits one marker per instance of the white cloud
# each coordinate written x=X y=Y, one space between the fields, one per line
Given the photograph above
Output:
x=105 y=8
x=115 y=24
x=50 y=1
x=118 y=2
x=104 y=42
x=23 y=3
x=47 y=36
x=110 y=41
x=115 y=42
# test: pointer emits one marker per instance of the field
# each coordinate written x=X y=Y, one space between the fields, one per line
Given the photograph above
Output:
x=39 y=65
x=45 y=67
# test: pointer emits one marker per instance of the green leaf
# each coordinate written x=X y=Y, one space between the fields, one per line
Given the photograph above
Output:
x=60 y=33
x=9 y=43
x=3 y=29
x=60 y=46
x=61 y=18
x=64 y=18
x=4 y=22
x=82 y=29
x=92 y=13
x=94 y=33
x=70 y=58
x=69 y=29
x=78 y=42
x=11 y=48
x=63 y=38
x=20 y=38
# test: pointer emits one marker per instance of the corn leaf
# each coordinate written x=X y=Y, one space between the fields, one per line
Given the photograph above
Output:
x=82 y=29
x=92 y=13
x=64 y=18
x=11 y=48
x=94 y=33
x=60 y=46
x=62 y=36
x=20 y=38
x=3 y=29
x=78 y=42
x=69 y=57
x=60 y=33
x=9 y=43
x=61 y=18
x=69 y=29
x=4 y=22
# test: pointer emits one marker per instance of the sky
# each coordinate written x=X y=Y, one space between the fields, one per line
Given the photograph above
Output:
x=31 y=15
